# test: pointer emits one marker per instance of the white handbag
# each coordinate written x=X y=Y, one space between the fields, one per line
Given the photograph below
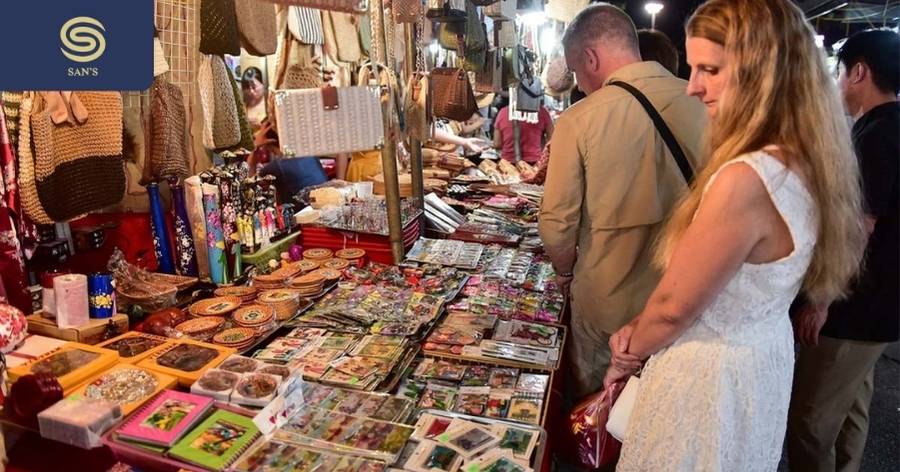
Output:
x=504 y=10
x=620 y=414
x=329 y=120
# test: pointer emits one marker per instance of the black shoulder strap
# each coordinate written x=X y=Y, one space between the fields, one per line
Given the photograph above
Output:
x=663 y=129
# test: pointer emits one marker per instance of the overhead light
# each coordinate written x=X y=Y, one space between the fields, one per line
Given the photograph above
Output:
x=653 y=8
x=820 y=40
x=548 y=40
x=533 y=18
x=434 y=47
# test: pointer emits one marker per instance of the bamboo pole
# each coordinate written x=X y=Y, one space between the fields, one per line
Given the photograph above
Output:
x=415 y=146
x=389 y=152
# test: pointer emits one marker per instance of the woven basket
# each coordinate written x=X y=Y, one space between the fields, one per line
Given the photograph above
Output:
x=219 y=28
x=78 y=167
x=11 y=103
x=258 y=26
x=168 y=140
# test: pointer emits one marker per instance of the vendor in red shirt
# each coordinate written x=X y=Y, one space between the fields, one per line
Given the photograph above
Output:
x=532 y=136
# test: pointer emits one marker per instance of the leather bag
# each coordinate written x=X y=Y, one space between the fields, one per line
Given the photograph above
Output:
x=453 y=95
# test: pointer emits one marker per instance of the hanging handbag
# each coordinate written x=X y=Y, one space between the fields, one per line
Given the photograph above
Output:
x=329 y=120
x=364 y=24
x=246 y=133
x=302 y=77
x=504 y=10
x=167 y=148
x=476 y=45
x=565 y=10
x=488 y=80
x=219 y=28
x=506 y=35
x=417 y=107
x=529 y=95
x=257 y=26
x=452 y=36
x=593 y=445
x=78 y=165
x=346 y=35
x=557 y=76
x=305 y=24
x=221 y=127
x=453 y=95
x=446 y=11
x=31 y=204
x=512 y=67
x=406 y=11
x=348 y=6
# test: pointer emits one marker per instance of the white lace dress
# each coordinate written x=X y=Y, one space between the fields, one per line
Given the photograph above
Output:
x=717 y=398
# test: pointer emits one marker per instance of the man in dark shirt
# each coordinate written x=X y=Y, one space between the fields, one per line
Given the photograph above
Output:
x=833 y=381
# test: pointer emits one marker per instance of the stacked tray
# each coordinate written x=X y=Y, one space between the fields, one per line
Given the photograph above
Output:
x=284 y=302
x=308 y=285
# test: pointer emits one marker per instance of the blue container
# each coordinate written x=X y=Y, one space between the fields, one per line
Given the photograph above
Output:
x=101 y=295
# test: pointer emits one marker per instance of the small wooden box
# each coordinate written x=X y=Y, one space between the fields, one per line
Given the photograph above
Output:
x=92 y=332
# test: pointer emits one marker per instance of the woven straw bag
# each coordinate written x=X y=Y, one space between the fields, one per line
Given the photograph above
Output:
x=31 y=204
x=348 y=6
x=417 y=107
x=221 y=127
x=219 y=28
x=346 y=35
x=246 y=140
x=504 y=10
x=506 y=35
x=305 y=24
x=329 y=120
x=167 y=137
x=476 y=40
x=257 y=25
x=78 y=165
x=488 y=80
x=557 y=77
x=406 y=11
x=453 y=96
x=302 y=77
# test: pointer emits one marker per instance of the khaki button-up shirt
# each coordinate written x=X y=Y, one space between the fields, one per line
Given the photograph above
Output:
x=611 y=183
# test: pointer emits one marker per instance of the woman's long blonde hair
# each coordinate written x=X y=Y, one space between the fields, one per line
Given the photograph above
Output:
x=781 y=93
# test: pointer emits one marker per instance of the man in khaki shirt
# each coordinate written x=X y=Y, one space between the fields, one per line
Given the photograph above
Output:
x=611 y=183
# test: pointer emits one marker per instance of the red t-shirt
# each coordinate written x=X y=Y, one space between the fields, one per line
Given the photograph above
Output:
x=530 y=137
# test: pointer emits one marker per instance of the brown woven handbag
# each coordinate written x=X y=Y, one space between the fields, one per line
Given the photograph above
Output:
x=31 y=204
x=246 y=140
x=221 y=126
x=78 y=152
x=258 y=26
x=167 y=138
x=488 y=80
x=219 y=28
x=406 y=11
x=453 y=95
x=302 y=77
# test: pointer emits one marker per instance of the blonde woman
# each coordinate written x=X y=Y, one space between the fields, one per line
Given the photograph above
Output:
x=776 y=210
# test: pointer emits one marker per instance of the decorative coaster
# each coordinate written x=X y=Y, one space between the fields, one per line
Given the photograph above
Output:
x=219 y=306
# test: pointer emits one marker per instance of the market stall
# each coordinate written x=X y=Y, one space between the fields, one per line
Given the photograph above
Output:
x=234 y=313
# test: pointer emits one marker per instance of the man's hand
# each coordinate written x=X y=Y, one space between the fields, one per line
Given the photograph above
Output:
x=808 y=323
